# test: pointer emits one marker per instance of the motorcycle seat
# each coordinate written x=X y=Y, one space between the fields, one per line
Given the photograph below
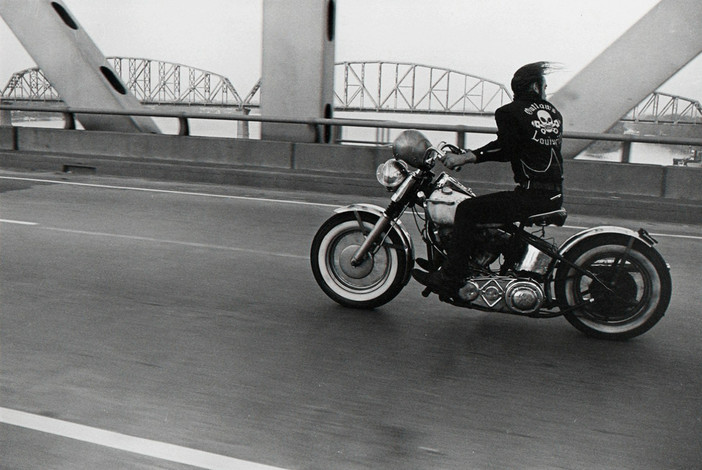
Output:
x=556 y=218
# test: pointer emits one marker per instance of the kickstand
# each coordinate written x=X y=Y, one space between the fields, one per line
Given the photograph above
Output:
x=426 y=292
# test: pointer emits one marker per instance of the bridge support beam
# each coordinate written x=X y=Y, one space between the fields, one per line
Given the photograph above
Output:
x=298 y=67
x=635 y=65
x=73 y=63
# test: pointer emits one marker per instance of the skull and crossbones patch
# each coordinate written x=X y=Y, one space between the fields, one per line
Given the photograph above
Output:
x=545 y=122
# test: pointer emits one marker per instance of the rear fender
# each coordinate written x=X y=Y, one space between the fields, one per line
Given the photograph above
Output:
x=641 y=235
x=594 y=232
x=397 y=227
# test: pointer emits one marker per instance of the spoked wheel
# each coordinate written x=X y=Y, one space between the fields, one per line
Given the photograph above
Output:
x=373 y=282
x=628 y=294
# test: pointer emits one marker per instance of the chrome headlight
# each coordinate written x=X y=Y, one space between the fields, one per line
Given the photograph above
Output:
x=392 y=173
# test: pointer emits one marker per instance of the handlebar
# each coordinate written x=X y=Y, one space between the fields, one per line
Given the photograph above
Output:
x=441 y=150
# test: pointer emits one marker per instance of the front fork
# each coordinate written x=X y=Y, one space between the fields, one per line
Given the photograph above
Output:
x=384 y=222
x=399 y=201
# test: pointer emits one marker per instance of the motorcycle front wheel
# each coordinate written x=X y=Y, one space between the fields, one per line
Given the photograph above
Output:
x=629 y=296
x=372 y=283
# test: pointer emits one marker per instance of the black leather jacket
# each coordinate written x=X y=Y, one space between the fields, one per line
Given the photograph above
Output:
x=529 y=136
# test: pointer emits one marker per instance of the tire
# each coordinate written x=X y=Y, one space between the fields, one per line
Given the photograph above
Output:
x=640 y=287
x=374 y=282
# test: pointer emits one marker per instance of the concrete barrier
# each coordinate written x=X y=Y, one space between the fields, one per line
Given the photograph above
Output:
x=583 y=176
x=683 y=183
x=355 y=160
x=151 y=146
x=614 y=178
x=7 y=138
x=628 y=190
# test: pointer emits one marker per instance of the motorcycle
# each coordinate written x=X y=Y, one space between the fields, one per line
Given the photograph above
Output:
x=608 y=282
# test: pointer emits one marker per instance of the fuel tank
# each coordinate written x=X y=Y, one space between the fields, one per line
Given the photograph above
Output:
x=442 y=202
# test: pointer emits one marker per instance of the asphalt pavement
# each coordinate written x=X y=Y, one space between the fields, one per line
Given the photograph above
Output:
x=155 y=325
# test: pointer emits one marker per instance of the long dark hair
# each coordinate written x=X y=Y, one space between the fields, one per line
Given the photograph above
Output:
x=528 y=74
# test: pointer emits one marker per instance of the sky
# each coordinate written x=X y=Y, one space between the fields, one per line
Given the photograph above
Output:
x=488 y=38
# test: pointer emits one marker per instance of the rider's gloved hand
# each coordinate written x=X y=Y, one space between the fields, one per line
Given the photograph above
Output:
x=454 y=161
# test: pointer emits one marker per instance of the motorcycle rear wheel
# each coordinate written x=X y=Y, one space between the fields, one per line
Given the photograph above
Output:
x=632 y=296
x=376 y=281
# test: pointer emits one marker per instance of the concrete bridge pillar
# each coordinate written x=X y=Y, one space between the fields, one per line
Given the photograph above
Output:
x=634 y=66
x=73 y=63
x=298 y=67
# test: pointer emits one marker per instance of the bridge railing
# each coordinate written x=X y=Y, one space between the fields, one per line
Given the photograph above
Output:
x=325 y=127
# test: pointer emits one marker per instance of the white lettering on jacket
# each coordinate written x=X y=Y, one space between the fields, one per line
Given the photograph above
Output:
x=544 y=141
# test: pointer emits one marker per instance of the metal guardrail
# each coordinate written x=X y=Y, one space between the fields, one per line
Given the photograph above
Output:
x=324 y=127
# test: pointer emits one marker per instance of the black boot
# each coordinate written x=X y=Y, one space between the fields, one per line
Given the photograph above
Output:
x=438 y=281
x=427 y=265
x=446 y=280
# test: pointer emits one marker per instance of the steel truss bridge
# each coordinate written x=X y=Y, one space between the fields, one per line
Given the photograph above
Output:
x=153 y=82
x=370 y=86
x=666 y=109
x=412 y=88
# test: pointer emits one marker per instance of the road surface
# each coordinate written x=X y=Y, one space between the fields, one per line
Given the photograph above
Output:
x=152 y=325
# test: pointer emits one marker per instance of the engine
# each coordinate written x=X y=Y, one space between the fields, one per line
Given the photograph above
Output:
x=503 y=294
x=441 y=209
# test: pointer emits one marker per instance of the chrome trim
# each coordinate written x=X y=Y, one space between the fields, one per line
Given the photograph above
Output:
x=601 y=230
x=403 y=188
x=397 y=226
x=445 y=179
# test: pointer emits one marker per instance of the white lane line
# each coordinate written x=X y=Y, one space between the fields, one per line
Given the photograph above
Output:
x=137 y=445
x=220 y=247
x=252 y=198
x=670 y=235
x=169 y=191
x=177 y=242
x=17 y=222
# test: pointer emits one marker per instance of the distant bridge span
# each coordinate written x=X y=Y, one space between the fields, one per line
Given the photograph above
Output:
x=153 y=82
x=371 y=86
x=412 y=88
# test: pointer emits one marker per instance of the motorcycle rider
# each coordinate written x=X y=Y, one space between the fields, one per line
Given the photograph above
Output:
x=529 y=136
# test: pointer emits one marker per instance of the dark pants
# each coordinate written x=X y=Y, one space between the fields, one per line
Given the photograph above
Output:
x=503 y=207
